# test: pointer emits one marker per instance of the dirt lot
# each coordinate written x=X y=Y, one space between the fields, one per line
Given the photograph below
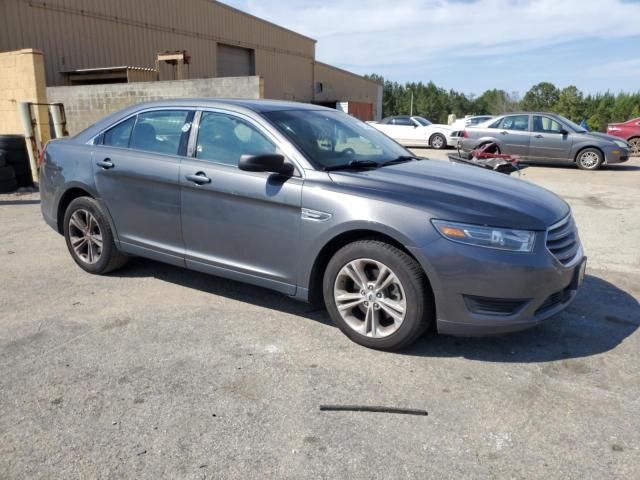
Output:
x=156 y=372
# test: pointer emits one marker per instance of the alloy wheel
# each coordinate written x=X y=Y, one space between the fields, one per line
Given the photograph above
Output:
x=85 y=236
x=634 y=143
x=589 y=159
x=370 y=298
x=437 y=142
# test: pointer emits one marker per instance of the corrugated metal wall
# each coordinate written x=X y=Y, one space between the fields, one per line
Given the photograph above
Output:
x=77 y=34
x=340 y=85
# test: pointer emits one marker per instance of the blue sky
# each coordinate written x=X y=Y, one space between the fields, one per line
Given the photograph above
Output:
x=472 y=45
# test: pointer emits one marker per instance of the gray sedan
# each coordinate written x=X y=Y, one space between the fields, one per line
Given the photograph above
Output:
x=547 y=137
x=317 y=205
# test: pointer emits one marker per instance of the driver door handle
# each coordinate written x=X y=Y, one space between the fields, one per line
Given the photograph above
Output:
x=539 y=136
x=106 y=164
x=504 y=132
x=199 y=178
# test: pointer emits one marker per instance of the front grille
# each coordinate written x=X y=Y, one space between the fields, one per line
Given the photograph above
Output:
x=493 y=306
x=563 y=241
x=554 y=300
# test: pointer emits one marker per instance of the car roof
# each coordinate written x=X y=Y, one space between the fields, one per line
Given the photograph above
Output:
x=256 y=105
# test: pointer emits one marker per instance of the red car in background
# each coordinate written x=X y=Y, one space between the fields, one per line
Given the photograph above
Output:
x=630 y=131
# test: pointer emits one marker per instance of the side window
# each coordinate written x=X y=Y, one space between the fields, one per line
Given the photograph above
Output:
x=405 y=122
x=515 y=122
x=545 y=125
x=224 y=139
x=161 y=131
x=496 y=124
x=119 y=135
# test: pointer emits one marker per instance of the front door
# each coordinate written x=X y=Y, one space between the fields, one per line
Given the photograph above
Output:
x=549 y=140
x=513 y=135
x=239 y=224
x=136 y=172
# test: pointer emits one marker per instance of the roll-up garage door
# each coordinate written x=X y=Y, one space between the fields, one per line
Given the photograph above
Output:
x=235 y=61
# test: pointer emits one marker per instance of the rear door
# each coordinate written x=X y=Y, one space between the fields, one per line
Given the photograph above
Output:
x=136 y=171
x=514 y=135
x=238 y=224
x=549 y=140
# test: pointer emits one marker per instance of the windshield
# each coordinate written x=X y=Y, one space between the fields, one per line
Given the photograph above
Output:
x=422 y=121
x=573 y=126
x=331 y=139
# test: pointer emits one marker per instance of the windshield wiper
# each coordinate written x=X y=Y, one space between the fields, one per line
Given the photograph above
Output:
x=400 y=159
x=354 y=164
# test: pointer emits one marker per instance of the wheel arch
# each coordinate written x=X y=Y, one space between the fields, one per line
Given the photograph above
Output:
x=582 y=149
x=65 y=199
x=336 y=243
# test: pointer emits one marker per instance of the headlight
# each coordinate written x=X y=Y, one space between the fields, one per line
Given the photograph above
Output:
x=621 y=143
x=488 y=237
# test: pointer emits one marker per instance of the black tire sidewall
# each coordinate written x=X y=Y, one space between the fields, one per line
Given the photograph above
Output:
x=416 y=319
x=108 y=245
x=586 y=150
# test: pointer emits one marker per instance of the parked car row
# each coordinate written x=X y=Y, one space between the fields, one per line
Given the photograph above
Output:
x=547 y=137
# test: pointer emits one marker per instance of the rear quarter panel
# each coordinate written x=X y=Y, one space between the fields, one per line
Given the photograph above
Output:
x=66 y=165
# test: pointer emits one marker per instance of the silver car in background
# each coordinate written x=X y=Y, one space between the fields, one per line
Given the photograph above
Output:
x=547 y=137
x=319 y=206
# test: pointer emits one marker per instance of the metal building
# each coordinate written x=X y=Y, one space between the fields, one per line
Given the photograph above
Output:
x=117 y=38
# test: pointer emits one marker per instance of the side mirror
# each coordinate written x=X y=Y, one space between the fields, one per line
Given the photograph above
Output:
x=266 y=162
x=564 y=131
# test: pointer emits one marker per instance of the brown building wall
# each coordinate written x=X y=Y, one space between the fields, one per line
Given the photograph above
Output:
x=340 y=85
x=75 y=34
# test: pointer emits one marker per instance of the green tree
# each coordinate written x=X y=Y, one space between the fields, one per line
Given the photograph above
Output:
x=541 y=97
x=570 y=104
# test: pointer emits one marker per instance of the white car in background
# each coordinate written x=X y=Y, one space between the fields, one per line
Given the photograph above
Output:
x=413 y=131
x=469 y=121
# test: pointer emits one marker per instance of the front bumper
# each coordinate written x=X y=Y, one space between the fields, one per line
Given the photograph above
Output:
x=616 y=155
x=535 y=284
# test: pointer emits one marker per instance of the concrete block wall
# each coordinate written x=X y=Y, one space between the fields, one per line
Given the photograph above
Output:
x=86 y=104
x=22 y=79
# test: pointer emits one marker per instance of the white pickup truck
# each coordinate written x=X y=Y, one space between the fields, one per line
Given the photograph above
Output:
x=416 y=132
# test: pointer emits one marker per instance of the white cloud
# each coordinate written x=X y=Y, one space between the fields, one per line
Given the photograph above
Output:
x=363 y=34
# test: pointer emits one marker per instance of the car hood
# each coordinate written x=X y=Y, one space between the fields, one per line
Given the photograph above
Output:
x=460 y=193
x=601 y=136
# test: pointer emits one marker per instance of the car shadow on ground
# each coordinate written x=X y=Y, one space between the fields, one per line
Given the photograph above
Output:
x=601 y=317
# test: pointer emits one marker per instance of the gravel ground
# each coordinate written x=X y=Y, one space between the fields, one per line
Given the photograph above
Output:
x=157 y=372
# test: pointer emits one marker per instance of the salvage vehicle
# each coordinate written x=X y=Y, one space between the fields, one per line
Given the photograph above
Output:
x=547 y=138
x=317 y=205
x=629 y=131
x=412 y=131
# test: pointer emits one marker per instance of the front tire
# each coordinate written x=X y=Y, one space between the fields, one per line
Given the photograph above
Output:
x=634 y=146
x=437 y=141
x=377 y=295
x=89 y=237
x=589 y=159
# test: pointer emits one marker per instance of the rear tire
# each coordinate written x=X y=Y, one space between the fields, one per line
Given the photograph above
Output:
x=589 y=159
x=89 y=237
x=438 y=141
x=389 y=307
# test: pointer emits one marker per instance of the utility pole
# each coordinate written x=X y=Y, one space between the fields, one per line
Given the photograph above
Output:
x=411 y=113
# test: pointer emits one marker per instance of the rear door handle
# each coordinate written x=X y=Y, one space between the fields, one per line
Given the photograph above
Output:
x=504 y=133
x=106 y=164
x=538 y=136
x=199 y=178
